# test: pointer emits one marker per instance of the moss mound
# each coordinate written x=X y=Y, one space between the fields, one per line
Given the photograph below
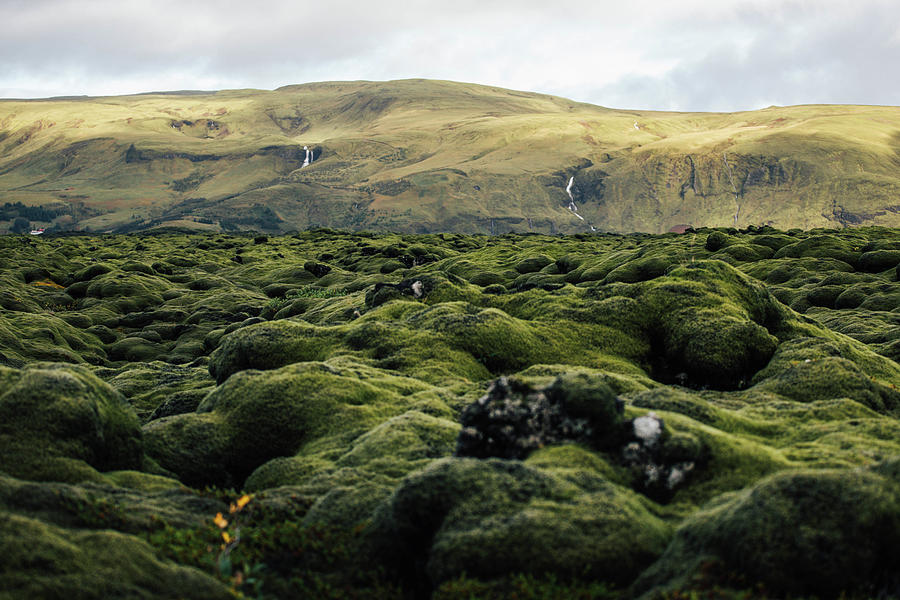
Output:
x=490 y=517
x=269 y=346
x=811 y=532
x=257 y=416
x=710 y=325
x=44 y=561
x=54 y=417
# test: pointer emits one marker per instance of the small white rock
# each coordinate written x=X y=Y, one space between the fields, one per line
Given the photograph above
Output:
x=652 y=473
x=648 y=428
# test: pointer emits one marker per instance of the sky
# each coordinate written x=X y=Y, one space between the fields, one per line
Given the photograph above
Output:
x=689 y=55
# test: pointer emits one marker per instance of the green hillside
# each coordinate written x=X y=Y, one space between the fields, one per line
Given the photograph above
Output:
x=422 y=156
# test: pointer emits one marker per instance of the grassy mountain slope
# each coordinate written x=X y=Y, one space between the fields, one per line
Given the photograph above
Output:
x=418 y=155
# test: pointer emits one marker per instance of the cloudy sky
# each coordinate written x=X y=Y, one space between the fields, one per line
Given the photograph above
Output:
x=663 y=54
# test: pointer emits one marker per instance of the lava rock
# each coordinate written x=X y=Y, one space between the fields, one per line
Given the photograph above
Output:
x=660 y=462
x=513 y=419
x=317 y=269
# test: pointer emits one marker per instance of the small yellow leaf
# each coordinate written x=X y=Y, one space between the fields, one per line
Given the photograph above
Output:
x=240 y=504
x=221 y=521
x=226 y=537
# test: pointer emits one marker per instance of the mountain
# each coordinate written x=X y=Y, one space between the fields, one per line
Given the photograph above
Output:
x=423 y=156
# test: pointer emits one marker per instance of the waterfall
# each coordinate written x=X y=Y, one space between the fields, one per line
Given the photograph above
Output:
x=572 y=206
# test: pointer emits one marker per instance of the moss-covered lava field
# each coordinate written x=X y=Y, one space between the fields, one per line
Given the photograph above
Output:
x=711 y=414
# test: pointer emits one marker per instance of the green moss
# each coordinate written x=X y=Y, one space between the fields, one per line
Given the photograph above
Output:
x=138 y=267
x=640 y=269
x=500 y=342
x=524 y=586
x=802 y=533
x=598 y=269
x=45 y=337
x=805 y=352
x=257 y=416
x=679 y=401
x=744 y=252
x=830 y=377
x=93 y=271
x=150 y=386
x=822 y=246
x=349 y=482
x=586 y=397
x=487 y=278
x=851 y=297
x=135 y=349
x=43 y=466
x=402 y=443
x=51 y=411
x=533 y=264
x=775 y=242
x=725 y=457
x=716 y=241
x=825 y=295
x=288 y=471
x=144 y=482
x=77 y=320
x=723 y=353
x=710 y=323
x=621 y=383
x=391 y=265
x=794 y=272
x=269 y=346
x=44 y=561
x=129 y=292
x=879 y=260
x=491 y=517
x=341 y=396
x=882 y=302
x=869 y=327
x=193 y=447
x=578 y=465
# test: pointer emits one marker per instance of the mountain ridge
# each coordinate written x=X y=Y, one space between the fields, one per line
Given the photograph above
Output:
x=422 y=155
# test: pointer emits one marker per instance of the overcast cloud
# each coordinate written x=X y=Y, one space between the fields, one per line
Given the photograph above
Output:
x=676 y=55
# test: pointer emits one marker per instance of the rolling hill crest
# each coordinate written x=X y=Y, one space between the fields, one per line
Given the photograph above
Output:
x=423 y=156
